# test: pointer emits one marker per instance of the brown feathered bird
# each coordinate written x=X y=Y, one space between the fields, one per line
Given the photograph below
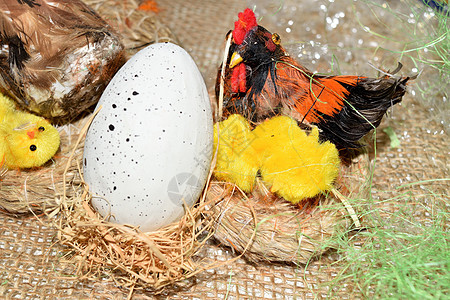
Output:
x=262 y=80
x=56 y=56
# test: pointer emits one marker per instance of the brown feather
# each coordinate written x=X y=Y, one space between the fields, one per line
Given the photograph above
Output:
x=53 y=52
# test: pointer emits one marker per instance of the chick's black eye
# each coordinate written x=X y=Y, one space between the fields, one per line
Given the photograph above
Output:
x=33 y=147
x=42 y=128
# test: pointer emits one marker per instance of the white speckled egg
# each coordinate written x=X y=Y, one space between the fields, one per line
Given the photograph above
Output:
x=149 y=149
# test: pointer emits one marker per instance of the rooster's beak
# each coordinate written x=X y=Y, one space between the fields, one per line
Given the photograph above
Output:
x=235 y=59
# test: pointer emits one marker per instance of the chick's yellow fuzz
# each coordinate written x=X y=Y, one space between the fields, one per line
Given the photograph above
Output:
x=26 y=140
x=295 y=165
x=274 y=135
x=236 y=159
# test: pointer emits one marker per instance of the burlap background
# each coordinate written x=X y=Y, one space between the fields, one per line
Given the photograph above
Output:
x=31 y=266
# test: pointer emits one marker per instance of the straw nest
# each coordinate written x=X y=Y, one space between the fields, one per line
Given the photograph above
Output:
x=131 y=258
x=272 y=229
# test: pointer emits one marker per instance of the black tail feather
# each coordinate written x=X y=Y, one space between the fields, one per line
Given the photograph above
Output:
x=363 y=110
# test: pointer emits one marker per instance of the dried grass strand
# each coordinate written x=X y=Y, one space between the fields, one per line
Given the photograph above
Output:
x=222 y=77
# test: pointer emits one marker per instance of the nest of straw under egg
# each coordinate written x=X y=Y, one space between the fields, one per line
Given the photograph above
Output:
x=132 y=258
x=260 y=226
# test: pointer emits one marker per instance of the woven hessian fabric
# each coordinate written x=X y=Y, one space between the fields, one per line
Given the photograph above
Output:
x=31 y=266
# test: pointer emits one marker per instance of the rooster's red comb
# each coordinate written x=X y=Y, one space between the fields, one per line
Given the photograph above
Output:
x=246 y=22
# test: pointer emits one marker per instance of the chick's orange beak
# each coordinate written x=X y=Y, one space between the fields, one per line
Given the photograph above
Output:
x=30 y=134
x=235 y=60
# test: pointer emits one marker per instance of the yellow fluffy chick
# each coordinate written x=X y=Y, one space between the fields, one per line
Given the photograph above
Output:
x=26 y=140
x=295 y=165
x=236 y=159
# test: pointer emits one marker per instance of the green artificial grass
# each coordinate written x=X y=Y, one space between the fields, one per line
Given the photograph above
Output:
x=404 y=252
x=399 y=257
x=425 y=42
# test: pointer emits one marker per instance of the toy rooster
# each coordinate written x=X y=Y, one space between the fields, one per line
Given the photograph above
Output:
x=56 y=57
x=261 y=80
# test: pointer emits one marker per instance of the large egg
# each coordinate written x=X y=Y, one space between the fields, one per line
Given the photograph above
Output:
x=149 y=149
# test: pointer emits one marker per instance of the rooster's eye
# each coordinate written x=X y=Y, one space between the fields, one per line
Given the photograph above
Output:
x=276 y=39
x=33 y=147
x=42 y=128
